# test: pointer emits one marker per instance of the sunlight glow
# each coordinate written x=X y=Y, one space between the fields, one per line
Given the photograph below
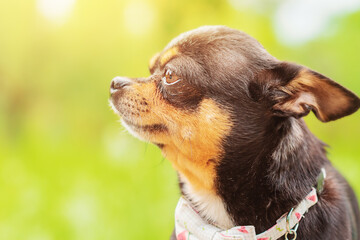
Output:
x=139 y=17
x=299 y=21
x=55 y=10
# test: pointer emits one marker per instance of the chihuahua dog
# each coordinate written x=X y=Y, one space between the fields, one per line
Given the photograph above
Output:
x=228 y=116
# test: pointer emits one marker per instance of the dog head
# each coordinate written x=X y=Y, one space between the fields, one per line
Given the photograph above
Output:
x=215 y=89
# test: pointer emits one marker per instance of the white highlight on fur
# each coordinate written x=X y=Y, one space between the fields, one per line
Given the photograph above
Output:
x=186 y=133
x=143 y=136
x=184 y=36
x=290 y=142
x=111 y=104
x=209 y=205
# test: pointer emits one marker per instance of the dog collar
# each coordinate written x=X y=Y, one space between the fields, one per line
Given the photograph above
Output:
x=189 y=225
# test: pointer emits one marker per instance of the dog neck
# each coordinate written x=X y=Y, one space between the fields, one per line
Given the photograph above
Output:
x=260 y=180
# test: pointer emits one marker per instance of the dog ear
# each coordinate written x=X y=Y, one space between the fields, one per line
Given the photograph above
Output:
x=299 y=90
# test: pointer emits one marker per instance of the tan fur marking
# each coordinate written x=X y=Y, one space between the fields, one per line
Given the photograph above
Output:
x=168 y=55
x=193 y=141
x=196 y=144
x=153 y=60
x=327 y=99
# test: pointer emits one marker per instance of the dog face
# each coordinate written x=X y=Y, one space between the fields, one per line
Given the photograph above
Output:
x=215 y=89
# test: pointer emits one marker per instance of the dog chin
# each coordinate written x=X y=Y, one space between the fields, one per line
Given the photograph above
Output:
x=111 y=104
x=133 y=130
x=129 y=127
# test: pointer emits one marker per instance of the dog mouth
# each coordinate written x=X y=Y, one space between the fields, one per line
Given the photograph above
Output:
x=149 y=128
x=133 y=126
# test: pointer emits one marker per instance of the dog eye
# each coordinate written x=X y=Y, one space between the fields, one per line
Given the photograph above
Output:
x=169 y=78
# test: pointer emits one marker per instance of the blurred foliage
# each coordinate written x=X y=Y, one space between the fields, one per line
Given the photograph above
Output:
x=68 y=170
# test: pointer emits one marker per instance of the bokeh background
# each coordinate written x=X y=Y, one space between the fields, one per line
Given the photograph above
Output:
x=68 y=170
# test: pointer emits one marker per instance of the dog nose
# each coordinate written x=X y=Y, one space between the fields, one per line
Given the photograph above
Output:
x=118 y=83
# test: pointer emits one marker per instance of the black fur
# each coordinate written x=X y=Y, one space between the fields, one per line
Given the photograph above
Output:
x=270 y=159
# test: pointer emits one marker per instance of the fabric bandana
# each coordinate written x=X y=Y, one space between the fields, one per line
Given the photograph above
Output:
x=190 y=226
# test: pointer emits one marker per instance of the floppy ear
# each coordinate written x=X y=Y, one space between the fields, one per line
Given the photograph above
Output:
x=300 y=90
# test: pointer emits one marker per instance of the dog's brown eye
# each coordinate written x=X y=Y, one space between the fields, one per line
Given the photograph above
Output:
x=169 y=78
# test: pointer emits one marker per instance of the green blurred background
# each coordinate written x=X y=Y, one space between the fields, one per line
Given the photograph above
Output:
x=68 y=170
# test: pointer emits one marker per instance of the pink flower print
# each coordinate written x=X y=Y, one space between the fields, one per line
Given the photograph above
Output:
x=312 y=198
x=224 y=235
x=266 y=238
x=298 y=215
x=183 y=235
x=242 y=229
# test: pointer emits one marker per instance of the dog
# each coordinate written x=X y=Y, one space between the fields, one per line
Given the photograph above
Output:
x=228 y=116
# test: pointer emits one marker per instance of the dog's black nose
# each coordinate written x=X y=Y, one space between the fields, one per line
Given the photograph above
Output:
x=118 y=83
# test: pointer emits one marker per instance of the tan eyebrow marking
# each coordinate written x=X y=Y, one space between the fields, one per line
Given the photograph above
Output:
x=153 y=61
x=168 y=55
